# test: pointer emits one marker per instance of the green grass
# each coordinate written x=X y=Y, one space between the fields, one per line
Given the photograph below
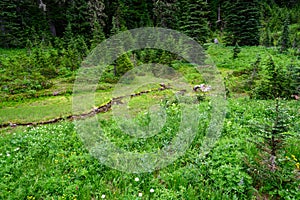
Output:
x=222 y=56
x=52 y=162
x=37 y=110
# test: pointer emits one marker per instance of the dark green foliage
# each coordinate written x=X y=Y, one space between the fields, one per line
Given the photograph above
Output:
x=273 y=82
x=285 y=38
x=20 y=20
x=9 y=23
x=193 y=19
x=98 y=35
x=123 y=64
x=236 y=51
x=138 y=13
x=45 y=20
x=77 y=17
x=276 y=81
x=242 y=22
x=165 y=13
x=293 y=76
x=286 y=3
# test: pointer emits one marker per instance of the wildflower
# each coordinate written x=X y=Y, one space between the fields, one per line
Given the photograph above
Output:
x=151 y=190
x=202 y=87
x=140 y=194
x=17 y=149
x=103 y=196
x=298 y=165
x=136 y=179
x=1 y=154
x=7 y=154
x=294 y=157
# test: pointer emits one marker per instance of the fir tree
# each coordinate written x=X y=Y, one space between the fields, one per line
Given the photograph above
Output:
x=98 y=34
x=273 y=82
x=285 y=38
x=269 y=166
x=121 y=62
x=165 y=13
x=242 y=22
x=293 y=79
x=193 y=20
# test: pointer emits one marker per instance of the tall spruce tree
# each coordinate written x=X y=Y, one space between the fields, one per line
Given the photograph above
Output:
x=98 y=34
x=165 y=13
x=242 y=18
x=193 y=19
x=285 y=37
x=8 y=22
x=17 y=20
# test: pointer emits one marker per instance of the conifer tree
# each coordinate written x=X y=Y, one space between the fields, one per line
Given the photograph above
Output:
x=122 y=64
x=242 y=22
x=285 y=39
x=193 y=19
x=98 y=34
x=8 y=22
x=165 y=13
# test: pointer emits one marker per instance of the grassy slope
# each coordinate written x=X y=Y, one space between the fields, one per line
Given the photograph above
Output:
x=51 y=161
x=43 y=109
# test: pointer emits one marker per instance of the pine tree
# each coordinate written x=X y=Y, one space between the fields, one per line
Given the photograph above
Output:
x=269 y=166
x=165 y=14
x=118 y=64
x=293 y=79
x=285 y=39
x=273 y=82
x=123 y=64
x=98 y=35
x=77 y=15
x=17 y=18
x=242 y=22
x=193 y=20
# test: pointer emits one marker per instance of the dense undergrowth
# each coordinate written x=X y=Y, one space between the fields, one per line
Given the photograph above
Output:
x=51 y=162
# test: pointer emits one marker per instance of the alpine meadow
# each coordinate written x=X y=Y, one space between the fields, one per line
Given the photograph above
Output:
x=149 y=99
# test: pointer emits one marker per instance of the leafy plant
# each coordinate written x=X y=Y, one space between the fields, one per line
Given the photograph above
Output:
x=269 y=169
x=272 y=82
